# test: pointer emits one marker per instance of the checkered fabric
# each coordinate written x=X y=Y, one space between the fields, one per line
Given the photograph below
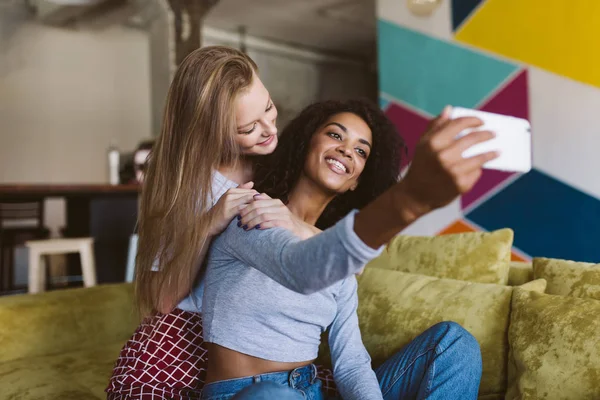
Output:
x=166 y=359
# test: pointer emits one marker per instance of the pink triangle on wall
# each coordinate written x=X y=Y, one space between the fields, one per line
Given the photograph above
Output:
x=512 y=99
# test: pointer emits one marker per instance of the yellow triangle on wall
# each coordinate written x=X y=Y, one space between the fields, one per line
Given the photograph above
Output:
x=561 y=36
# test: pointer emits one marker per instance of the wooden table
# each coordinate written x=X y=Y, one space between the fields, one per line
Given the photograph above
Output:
x=105 y=212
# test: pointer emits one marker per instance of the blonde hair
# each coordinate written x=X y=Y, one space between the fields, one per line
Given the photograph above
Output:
x=197 y=137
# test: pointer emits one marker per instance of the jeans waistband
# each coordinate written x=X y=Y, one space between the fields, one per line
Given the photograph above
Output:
x=297 y=379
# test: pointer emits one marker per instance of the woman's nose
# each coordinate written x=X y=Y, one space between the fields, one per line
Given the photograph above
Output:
x=270 y=128
x=345 y=151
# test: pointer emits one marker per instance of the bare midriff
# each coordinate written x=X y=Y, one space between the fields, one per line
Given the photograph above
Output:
x=224 y=363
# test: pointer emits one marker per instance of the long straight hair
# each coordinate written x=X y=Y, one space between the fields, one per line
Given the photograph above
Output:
x=196 y=138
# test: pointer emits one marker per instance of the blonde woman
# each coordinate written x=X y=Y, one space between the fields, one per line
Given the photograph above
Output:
x=218 y=119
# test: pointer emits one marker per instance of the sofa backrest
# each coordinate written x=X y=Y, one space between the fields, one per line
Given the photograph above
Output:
x=65 y=320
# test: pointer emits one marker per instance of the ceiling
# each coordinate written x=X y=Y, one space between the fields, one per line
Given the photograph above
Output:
x=345 y=27
x=341 y=26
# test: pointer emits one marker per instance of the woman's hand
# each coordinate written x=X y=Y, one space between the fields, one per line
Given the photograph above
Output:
x=437 y=176
x=439 y=173
x=229 y=205
x=265 y=212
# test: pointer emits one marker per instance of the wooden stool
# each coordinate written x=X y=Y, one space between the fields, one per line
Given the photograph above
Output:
x=20 y=220
x=39 y=248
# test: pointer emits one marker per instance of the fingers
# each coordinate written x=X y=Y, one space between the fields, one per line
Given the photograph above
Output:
x=471 y=164
x=259 y=204
x=232 y=201
x=258 y=216
x=234 y=206
x=453 y=153
x=262 y=196
x=238 y=191
x=235 y=197
x=471 y=139
x=467 y=172
x=275 y=217
x=440 y=119
x=276 y=223
x=446 y=134
x=247 y=185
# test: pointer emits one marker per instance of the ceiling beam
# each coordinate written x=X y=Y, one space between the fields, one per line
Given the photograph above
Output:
x=194 y=11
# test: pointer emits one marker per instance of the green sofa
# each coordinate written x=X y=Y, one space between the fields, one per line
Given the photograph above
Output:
x=62 y=344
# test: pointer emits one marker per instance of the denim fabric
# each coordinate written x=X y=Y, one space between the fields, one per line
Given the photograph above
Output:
x=444 y=362
x=300 y=383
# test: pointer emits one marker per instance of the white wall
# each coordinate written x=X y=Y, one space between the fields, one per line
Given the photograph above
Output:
x=65 y=97
x=70 y=95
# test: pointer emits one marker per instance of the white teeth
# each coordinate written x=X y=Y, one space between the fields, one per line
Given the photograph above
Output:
x=337 y=164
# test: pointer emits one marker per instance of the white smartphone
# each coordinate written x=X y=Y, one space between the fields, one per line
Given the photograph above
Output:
x=513 y=140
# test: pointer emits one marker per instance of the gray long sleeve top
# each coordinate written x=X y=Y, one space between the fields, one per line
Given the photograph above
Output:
x=270 y=295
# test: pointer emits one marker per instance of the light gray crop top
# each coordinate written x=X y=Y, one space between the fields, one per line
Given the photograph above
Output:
x=247 y=311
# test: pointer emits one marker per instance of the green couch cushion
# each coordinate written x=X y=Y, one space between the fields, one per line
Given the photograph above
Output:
x=395 y=307
x=555 y=347
x=569 y=278
x=474 y=256
x=76 y=375
x=519 y=273
x=62 y=321
x=536 y=285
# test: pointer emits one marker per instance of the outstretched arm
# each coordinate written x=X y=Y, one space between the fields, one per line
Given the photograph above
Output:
x=436 y=177
x=304 y=266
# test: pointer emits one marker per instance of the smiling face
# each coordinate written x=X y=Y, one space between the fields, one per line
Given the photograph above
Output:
x=256 y=117
x=338 y=152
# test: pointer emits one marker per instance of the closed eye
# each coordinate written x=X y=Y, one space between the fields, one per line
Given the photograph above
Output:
x=250 y=131
x=271 y=105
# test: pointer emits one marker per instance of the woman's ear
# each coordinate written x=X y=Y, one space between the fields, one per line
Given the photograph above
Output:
x=354 y=186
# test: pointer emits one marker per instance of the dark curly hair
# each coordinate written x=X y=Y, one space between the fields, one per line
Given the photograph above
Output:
x=277 y=173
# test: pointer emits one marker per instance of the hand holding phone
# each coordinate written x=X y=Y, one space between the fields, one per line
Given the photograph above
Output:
x=512 y=140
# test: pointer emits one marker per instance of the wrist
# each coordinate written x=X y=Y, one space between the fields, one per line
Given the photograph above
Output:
x=408 y=208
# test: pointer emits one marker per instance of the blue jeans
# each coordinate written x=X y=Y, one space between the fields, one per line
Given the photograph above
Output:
x=300 y=383
x=444 y=362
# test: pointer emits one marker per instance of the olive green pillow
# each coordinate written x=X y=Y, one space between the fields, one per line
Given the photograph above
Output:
x=475 y=256
x=555 y=347
x=537 y=285
x=519 y=273
x=569 y=278
x=396 y=307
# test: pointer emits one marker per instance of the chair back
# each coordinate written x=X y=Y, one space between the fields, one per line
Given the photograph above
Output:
x=21 y=214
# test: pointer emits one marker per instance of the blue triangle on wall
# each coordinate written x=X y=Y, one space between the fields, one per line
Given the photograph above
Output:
x=461 y=9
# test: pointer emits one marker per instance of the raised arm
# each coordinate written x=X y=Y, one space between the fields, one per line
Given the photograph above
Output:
x=437 y=176
x=304 y=266
x=352 y=370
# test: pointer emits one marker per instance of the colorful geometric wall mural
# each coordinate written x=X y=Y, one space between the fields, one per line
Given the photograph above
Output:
x=504 y=56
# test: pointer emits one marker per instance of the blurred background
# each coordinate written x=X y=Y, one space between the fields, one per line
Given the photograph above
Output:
x=81 y=78
x=83 y=82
